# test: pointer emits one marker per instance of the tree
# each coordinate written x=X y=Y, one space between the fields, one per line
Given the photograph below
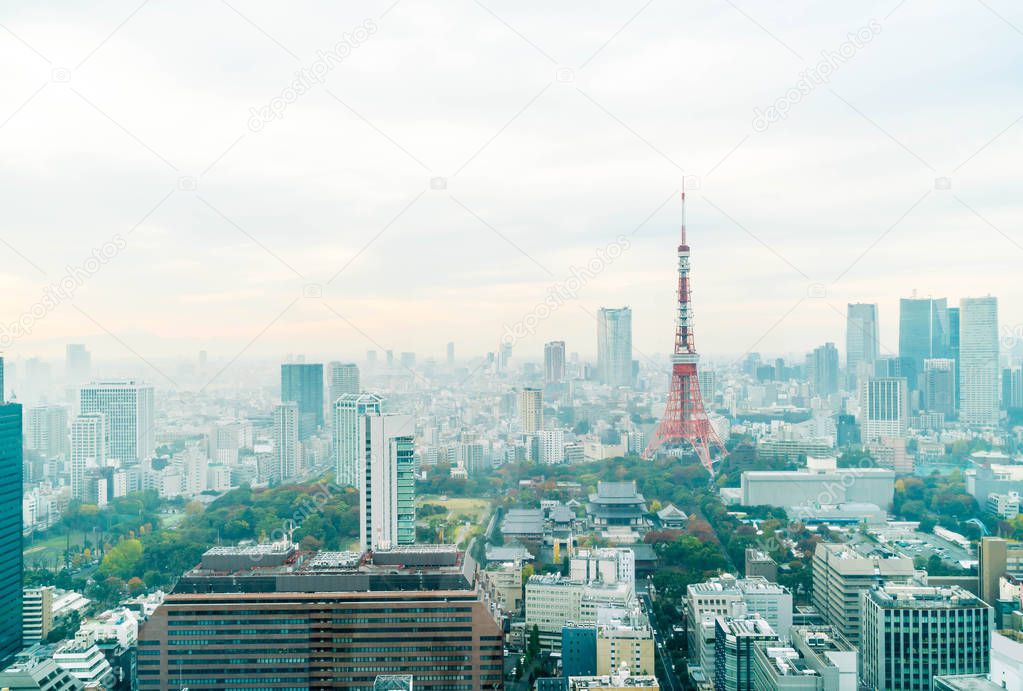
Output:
x=121 y=560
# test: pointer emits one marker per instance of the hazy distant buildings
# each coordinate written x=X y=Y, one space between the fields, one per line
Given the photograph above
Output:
x=127 y=407
x=614 y=346
x=923 y=333
x=822 y=369
x=978 y=355
x=10 y=530
x=344 y=378
x=451 y=354
x=88 y=449
x=77 y=364
x=554 y=362
x=302 y=383
x=48 y=431
x=349 y=411
x=531 y=410
x=861 y=339
x=884 y=408
x=939 y=387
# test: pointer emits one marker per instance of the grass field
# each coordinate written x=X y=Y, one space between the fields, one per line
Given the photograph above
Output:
x=475 y=509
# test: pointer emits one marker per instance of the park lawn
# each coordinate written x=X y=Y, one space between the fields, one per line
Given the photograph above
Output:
x=473 y=507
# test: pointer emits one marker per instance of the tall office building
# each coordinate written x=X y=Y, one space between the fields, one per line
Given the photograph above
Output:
x=48 y=431
x=387 y=504
x=88 y=449
x=1012 y=388
x=302 y=383
x=10 y=531
x=862 y=345
x=127 y=407
x=349 y=410
x=614 y=346
x=734 y=640
x=344 y=378
x=954 y=332
x=822 y=369
x=77 y=364
x=287 y=446
x=911 y=634
x=841 y=575
x=333 y=620
x=531 y=410
x=923 y=333
x=939 y=382
x=554 y=362
x=884 y=408
x=978 y=355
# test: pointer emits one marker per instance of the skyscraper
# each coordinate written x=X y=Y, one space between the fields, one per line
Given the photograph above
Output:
x=451 y=354
x=77 y=364
x=978 y=355
x=10 y=531
x=884 y=408
x=302 y=383
x=88 y=449
x=861 y=339
x=554 y=362
x=287 y=446
x=127 y=406
x=349 y=409
x=953 y=346
x=822 y=365
x=531 y=410
x=614 y=346
x=387 y=504
x=344 y=378
x=48 y=431
x=939 y=386
x=923 y=332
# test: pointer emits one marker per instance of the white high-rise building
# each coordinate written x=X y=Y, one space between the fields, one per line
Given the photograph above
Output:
x=552 y=446
x=349 y=408
x=387 y=505
x=48 y=431
x=614 y=346
x=286 y=444
x=88 y=449
x=884 y=408
x=978 y=361
x=127 y=406
x=531 y=410
x=344 y=379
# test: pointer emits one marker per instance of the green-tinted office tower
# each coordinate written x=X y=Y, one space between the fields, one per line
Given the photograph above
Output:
x=302 y=383
x=10 y=531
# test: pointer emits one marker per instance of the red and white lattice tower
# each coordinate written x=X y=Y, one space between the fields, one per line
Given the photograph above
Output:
x=685 y=425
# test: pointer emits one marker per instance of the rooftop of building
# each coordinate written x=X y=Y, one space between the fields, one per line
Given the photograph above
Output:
x=522 y=522
x=924 y=597
x=729 y=584
x=822 y=639
x=750 y=626
x=785 y=661
x=612 y=682
x=966 y=682
x=617 y=493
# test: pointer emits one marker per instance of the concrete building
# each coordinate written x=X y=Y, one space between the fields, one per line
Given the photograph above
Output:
x=884 y=408
x=531 y=410
x=387 y=505
x=578 y=651
x=818 y=658
x=997 y=557
x=553 y=602
x=841 y=575
x=406 y=611
x=302 y=384
x=940 y=383
x=861 y=339
x=554 y=362
x=37 y=614
x=623 y=681
x=624 y=641
x=343 y=379
x=910 y=634
x=32 y=672
x=760 y=564
x=47 y=431
x=1000 y=478
x=605 y=564
x=551 y=444
x=83 y=659
x=127 y=406
x=349 y=411
x=1003 y=505
x=88 y=449
x=811 y=487
x=287 y=447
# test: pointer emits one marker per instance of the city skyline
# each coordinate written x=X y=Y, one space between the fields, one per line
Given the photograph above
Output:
x=762 y=256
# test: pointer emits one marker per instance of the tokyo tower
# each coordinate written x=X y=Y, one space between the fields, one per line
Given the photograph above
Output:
x=685 y=425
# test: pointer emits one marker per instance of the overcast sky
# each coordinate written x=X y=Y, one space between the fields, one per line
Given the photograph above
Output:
x=549 y=130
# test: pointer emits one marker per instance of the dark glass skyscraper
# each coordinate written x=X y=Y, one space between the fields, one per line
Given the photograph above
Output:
x=302 y=383
x=10 y=530
x=923 y=331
